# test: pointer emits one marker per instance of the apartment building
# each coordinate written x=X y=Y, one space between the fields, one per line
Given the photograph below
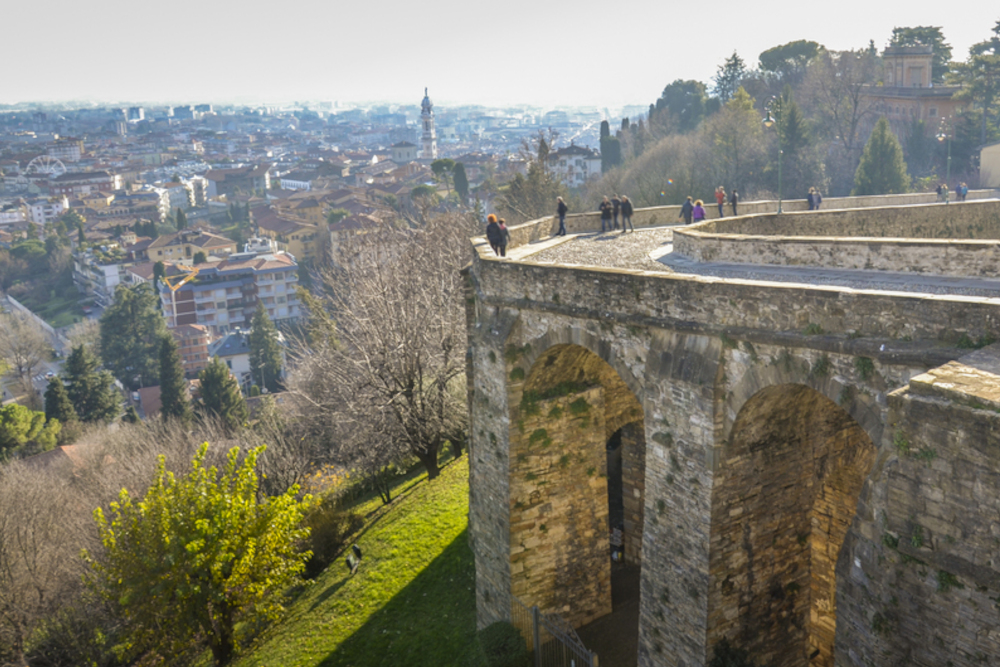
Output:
x=223 y=295
x=192 y=343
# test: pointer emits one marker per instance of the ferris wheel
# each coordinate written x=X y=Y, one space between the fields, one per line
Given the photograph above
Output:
x=46 y=164
x=41 y=166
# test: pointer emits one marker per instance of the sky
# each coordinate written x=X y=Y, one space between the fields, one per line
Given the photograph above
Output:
x=543 y=53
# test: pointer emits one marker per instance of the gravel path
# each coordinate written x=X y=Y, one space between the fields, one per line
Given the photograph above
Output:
x=611 y=250
x=631 y=251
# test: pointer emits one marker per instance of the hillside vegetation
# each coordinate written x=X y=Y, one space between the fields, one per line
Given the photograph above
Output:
x=412 y=601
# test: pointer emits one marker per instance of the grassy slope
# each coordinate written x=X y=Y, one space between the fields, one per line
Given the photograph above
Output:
x=411 y=602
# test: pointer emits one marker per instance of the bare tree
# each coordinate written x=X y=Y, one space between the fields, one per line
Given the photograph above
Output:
x=393 y=380
x=42 y=529
x=87 y=332
x=23 y=344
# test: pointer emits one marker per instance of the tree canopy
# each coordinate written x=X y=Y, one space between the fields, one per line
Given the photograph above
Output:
x=728 y=77
x=174 y=403
x=25 y=431
x=882 y=170
x=220 y=395
x=91 y=391
x=198 y=557
x=265 y=351
x=131 y=331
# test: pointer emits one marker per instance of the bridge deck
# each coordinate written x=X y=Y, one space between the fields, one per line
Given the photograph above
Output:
x=651 y=250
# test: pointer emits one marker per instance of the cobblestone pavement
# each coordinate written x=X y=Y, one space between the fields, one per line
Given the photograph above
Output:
x=633 y=250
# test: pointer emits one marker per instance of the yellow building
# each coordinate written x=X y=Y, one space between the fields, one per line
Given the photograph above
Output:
x=300 y=239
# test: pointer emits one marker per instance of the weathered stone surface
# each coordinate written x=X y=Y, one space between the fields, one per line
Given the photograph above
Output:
x=835 y=493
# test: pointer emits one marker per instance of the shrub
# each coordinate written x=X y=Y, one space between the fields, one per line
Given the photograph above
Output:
x=330 y=525
x=504 y=646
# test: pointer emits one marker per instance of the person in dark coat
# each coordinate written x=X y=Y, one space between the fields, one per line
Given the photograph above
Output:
x=626 y=214
x=811 y=199
x=734 y=199
x=561 y=210
x=687 y=209
x=606 y=211
x=493 y=233
x=504 y=237
x=616 y=205
x=817 y=199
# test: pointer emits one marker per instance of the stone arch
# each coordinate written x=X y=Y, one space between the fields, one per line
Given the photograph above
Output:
x=861 y=407
x=784 y=498
x=565 y=410
x=570 y=335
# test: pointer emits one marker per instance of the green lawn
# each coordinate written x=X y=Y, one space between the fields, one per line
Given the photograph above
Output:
x=57 y=311
x=412 y=601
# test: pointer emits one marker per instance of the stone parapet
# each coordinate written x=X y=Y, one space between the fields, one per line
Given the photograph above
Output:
x=656 y=216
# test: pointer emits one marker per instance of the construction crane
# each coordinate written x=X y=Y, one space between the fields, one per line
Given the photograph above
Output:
x=187 y=274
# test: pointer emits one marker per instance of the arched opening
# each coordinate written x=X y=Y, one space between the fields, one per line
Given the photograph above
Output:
x=786 y=494
x=577 y=468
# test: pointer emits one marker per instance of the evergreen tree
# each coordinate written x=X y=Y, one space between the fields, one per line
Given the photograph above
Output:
x=181 y=219
x=728 y=77
x=265 y=351
x=200 y=257
x=882 y=170
x=220 y=395
x=131 y=331
x=91 y=391
x=685 y=102
x=461 y=181
x=173 y=389
x=81 y=238
x=131 y=416
x=611 y=153
x=605 y=130
x=57 y=403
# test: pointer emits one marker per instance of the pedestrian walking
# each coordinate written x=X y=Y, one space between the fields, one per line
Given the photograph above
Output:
x=963 y=191
x=616 y=205
x=734 y=199
x=493 y=233
x=561 y=210
x=606 y=212
x=817 y=199
x=811 y=198
x=686 y=210
x=941 y=190
x=626 y=214
x=698 y=212
x=504 y=237
x=720 y=199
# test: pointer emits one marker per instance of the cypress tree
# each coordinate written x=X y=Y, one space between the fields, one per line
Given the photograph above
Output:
x=173 y=389
x=265 y=351
x=220 y=395
x=57 y=403
x=882 y=170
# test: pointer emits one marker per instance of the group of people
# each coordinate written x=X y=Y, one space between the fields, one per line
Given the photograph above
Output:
x=611 y=209
x=814 y=198
x=497 y=234
x=961 y=192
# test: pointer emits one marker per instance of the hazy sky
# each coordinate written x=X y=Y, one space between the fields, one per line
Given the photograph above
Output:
x=538 y=52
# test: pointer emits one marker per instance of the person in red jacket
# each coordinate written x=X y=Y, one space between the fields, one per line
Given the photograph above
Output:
x=720 y=199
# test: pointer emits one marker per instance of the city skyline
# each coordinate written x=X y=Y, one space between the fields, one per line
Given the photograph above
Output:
x=519 y=54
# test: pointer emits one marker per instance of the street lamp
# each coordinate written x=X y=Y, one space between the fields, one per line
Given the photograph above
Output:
x=769 y=120
x=943 y=134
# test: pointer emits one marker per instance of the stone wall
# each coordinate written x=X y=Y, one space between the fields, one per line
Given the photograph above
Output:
x=654 y=216
x=694 y=304
x=559 y=507
x=679 y=359
x=921 y=587
x=943 y=258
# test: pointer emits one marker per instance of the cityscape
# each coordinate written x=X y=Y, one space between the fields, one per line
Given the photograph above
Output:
x=684 y=359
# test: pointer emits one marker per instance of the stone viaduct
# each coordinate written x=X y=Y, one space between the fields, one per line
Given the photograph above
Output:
x=808 y=467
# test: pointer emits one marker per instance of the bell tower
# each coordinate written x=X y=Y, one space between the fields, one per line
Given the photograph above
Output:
x=429 y=137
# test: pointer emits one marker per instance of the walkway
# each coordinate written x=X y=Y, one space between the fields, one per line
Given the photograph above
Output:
x=652 y=250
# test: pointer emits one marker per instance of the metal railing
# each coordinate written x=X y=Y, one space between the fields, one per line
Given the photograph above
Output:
x=551 y=640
